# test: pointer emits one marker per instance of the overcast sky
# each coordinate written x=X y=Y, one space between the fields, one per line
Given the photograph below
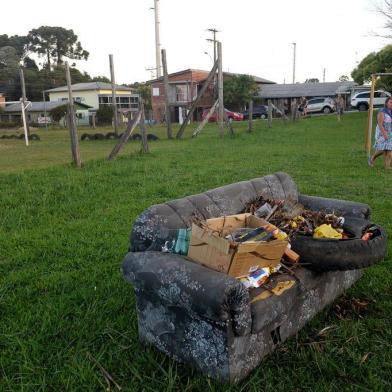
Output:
x=256 y=35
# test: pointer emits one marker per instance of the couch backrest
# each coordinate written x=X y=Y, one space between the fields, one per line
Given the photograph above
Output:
x=159 y=222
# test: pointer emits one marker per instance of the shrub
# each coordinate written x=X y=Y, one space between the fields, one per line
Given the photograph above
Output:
x=9 y=124
x=105 y=115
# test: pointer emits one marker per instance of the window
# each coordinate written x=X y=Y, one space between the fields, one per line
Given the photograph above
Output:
x=363 y=95
x=79 y=115
x=181 y=93
x=103 y=100
x=377 y=94
x=155 y=92
x=383 y=95
x=314 y=101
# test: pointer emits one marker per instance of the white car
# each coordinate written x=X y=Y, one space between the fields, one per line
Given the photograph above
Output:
x=323 y=105
x=361 y=100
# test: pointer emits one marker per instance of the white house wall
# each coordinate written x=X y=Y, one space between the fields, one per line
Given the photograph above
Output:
x=89 y=98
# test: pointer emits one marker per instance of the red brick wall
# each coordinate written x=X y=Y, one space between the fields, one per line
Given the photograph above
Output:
x=193 y=78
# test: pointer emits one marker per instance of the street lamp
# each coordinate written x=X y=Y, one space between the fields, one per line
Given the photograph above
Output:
x=209 y=56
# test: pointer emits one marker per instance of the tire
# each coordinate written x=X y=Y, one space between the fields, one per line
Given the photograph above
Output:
x=362 y=107
x=99 y=136
x=263 y=116
x=326 y=110
x=151 y=136
x=341 y=255
x=137 y=136
x=33 y=136
x=111 y=136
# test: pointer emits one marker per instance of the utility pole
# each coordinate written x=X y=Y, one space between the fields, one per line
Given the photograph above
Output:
x=213 y=30
x=157 y=39
x=324 y=75
x=294 y=59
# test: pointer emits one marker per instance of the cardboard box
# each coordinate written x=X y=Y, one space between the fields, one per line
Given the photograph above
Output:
x=209 y=247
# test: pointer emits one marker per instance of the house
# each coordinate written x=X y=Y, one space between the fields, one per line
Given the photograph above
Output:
x=38 y=113
x=283 y=94
x=183 y=88
x=98 y=94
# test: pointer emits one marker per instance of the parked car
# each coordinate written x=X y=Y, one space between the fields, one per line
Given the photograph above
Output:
x=361 y=100
x=232 y=116
x=258 y=112
x=321 y=105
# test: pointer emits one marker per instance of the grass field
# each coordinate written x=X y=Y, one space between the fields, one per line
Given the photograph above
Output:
x=64 y=306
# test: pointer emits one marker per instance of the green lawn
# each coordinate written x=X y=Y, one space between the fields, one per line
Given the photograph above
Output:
x=63 y=233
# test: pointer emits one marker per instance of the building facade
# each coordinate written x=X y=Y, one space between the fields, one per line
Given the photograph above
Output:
x=39 y=113
x=98 y=94
x=183 y=89
x=283 y=95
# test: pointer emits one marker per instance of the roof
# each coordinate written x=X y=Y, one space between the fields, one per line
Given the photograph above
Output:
x=305 y=89
x=88 y=87
x=257 y=79
x=193 y=70
x=41 y=106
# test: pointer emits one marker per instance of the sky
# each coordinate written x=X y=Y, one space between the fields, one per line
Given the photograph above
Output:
x=256 y=35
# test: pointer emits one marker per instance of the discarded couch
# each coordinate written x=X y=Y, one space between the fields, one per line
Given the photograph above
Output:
x=207 y=319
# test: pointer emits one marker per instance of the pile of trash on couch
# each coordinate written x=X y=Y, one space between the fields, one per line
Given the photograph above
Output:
x=272 y=236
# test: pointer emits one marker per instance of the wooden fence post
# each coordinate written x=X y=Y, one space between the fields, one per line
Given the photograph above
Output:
x=114 y=102
x=167 y=101
x=24 y=98
x=368 y=138
x=220 y=89
x=250 y=113
x=210 y=77
x=72 y=121
x=132 y=124
x=269 y=113
x=142 y=127
x=205 y=120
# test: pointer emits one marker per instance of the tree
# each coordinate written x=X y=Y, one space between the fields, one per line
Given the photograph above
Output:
x=343 y=78
x=100 y=78
x=375 y=62
x=144 y=90
x=105 y=115
x=58 y=113
x=19 y=43
x=238 y=90
x=385 y=10
x=55 y=43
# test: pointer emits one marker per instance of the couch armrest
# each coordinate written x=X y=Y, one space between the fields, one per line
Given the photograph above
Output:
x=177 y=281
x=343 y=207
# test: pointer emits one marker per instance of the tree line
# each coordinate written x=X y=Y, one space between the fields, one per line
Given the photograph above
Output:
x=51 y=44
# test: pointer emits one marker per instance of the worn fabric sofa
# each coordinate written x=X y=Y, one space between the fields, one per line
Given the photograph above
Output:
x=205 y=318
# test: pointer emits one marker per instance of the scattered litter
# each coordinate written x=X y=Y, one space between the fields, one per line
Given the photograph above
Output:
x=326 y=231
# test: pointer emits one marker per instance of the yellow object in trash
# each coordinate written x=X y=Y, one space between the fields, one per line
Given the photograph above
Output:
x=326 y=231
x=279 y=289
